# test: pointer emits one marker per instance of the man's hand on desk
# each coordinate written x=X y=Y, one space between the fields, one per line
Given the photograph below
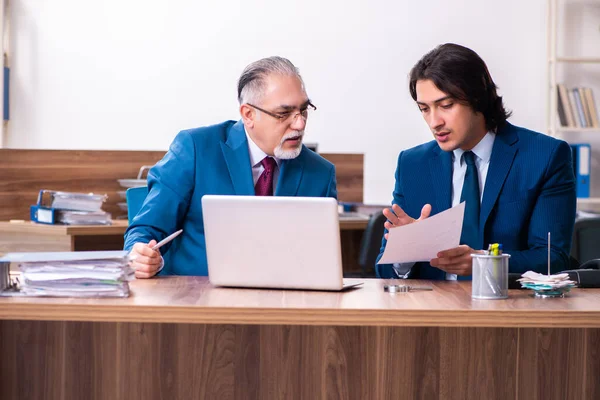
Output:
x=456 y=261
x=397 y=217
x=145 y=261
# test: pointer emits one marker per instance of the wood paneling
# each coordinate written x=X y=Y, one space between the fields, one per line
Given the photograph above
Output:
x=75 y=360
x=182 y=299
x=544 y=355
x=24 y=172
x=349 y=172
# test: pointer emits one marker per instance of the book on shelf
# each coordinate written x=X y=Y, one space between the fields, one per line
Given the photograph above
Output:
x=579 y=108
x=573 y=107
x=591 y=104
x=562 y=113
x=576 y=107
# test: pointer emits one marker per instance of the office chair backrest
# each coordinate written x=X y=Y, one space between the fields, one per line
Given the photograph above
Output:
x=586 y=236
x=135 y=199
x=371 y=243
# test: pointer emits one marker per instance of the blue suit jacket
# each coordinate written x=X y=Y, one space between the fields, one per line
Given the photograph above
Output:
x=529 y=191
x=212 y=160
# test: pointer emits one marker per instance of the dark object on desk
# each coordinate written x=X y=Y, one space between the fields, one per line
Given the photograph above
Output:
x=371 y=243
x=588 y=276
x=585 y=278
x=512 y=281
x=586 y=235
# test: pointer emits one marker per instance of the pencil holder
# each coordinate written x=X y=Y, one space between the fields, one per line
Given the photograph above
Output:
x=490 y=276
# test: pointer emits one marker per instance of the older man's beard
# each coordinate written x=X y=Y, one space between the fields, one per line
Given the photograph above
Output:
x=289 y=154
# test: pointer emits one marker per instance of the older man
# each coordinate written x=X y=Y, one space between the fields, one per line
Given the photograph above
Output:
x=262 y=154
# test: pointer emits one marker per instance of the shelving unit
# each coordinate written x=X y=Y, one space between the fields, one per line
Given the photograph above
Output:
x=588 y=201
x=554 y=60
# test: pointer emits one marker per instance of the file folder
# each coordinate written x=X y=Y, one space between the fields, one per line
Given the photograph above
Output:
x=69 y=208
x=42 y=215
x=581 y=167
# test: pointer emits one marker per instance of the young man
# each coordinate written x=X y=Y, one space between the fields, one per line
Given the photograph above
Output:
x=262 y=154
x=518 y=184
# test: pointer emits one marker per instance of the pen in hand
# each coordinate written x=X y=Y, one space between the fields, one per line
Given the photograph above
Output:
x=160 y=244
x=166 y=240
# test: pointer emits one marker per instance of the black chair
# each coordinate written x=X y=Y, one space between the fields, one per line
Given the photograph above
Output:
x=586 y=240
x=370 y=244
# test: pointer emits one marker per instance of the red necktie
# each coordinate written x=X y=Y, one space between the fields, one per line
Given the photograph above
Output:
x=264 y=184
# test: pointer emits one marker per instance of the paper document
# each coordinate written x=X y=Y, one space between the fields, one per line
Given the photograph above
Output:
x=73 y=274
x=421 y=241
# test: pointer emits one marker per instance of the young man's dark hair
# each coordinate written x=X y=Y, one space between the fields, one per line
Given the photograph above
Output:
x=462 y=74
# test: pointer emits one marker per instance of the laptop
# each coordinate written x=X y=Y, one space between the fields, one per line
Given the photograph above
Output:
x=273 y=242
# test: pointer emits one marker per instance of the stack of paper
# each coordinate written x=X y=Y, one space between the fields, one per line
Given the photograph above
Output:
x=83 y=217
x=536 y=281
x=76 y=201
x=73 y=274
x=70 y=208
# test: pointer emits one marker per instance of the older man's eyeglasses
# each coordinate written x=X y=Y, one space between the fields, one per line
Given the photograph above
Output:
x=289 y=116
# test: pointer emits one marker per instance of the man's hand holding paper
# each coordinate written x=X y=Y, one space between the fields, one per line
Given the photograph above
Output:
x=433 y=239
x=397 y=217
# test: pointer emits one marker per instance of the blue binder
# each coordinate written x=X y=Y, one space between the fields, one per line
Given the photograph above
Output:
x=582 y=154
x=42 y=215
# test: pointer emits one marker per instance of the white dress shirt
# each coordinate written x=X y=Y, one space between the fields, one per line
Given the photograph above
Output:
x=256 y=157
x=483 y=153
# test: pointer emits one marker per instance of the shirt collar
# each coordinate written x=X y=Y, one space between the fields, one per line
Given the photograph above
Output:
x=256 y=154
x=482 y=150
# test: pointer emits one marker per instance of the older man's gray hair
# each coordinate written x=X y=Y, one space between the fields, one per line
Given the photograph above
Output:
x=252 y=81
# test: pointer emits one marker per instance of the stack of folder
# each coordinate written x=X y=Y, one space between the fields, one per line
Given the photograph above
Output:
x=69 y=208
x=73 y=274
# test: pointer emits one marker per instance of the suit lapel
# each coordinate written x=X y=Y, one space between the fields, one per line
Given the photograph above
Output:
x=440 y=166
x=235 y=152
x=503 y=155
x=289 y=177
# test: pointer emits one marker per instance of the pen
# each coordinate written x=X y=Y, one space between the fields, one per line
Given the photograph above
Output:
x=494 y=249
x=166 y=240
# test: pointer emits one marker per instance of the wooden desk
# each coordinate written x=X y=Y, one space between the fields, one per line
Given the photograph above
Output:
x=181 y=338
x=29 y=236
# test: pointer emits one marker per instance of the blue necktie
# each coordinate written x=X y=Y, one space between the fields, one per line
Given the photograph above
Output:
x=470 y=194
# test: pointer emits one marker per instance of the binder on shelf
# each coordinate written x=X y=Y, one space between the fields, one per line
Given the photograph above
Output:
x=581 y=167
x=69 y=208
x=71 y=201
x=49 y=215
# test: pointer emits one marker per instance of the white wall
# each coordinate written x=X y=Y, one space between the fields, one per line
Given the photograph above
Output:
x=129 y=74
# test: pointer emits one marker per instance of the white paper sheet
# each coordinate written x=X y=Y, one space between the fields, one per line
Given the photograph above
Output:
x=421 y=241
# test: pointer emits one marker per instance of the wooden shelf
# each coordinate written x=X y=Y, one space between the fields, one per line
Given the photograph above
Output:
x=588 y=200
x=578 y=60
x=563 y=129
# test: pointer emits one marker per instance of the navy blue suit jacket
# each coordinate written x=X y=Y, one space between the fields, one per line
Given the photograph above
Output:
x=529 y=191
x=212 y=160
